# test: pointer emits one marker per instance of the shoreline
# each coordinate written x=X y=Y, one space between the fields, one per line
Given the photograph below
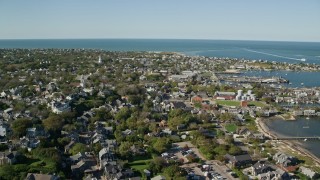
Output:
x=293 y=145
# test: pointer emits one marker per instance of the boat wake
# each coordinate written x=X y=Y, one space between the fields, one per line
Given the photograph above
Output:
x=274 y=55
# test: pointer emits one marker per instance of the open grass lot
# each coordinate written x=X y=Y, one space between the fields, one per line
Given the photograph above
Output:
x=257 y=103
x=237 y=103
x=228 y=103
x=231 y=128
x=140 y=163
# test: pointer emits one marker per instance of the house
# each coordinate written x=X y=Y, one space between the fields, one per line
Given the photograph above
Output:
x=245 y=132
x=60 y=107
x=87 y=166
x=106 y=155
x=29 y=143
x=4 y=129
x=8 y=157
x=8 y=114
x=297 y=113
x=266 y=170
x=178 y=105
x=284 y=159
x=207 y=133
x=239 y=160
x=137 y=150
x=274 y=175
x=34 y=132
x=69 y=146
x=308 y=172
x=76 y=158
x=224 y=95
x=147 y=172
x=159 y=177
x=196 y=99
x=260 y=167
x=309 y=112
x=36 y=176
x=178 y=78
x=258 y=136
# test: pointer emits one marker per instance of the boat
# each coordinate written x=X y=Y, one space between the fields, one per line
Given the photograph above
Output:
x=307 y=118
x=305 y=139
x=305 y=127
x=303 y=59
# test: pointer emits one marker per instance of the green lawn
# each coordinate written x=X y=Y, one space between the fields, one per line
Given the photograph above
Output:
x=140 y=163
x=231 y=128
x=228 y=103
x=257 y=103
x=237 y=103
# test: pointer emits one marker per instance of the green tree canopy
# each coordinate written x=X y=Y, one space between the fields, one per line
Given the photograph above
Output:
x=78 y=147
x=53 y=123
x=161 y=145
x=20 y=126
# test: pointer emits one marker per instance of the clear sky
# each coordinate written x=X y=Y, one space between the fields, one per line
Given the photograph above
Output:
x=287 y=20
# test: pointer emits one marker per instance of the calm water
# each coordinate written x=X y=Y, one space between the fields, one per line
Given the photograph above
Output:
x=309 y=79
x=298 y=128
x=267 y=50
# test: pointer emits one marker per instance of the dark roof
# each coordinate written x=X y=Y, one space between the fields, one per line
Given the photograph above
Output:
x=179 y=104
x=238 y=158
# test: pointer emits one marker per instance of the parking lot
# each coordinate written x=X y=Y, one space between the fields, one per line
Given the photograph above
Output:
x=211 y=169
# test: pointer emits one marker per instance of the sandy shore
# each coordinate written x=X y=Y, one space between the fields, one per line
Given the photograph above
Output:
x=286 y=145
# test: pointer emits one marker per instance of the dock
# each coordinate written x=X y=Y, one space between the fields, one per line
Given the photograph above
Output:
x=299 y=138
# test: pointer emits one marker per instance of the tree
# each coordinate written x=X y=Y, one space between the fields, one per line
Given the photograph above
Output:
x=234 y=150
x=123 y=114
x=161 y=145
x=7 y=172
x=124 y=149
x=20 y=126
x=156 y=164
x=53 y=123
x=78 y=147
x=227 y=117
x=173 y=172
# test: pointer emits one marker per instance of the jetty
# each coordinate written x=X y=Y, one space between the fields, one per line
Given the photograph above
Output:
x=299 y=138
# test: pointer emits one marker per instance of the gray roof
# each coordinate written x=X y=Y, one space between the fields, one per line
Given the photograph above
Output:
x=159 y=177
x=238 y=158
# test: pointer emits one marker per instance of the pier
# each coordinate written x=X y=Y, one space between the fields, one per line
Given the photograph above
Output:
x=246 y=79
x=299 y=138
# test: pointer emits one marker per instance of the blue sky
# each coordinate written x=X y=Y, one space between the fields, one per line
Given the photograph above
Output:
x=287 y=20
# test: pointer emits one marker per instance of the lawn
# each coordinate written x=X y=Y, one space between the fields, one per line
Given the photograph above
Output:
x=140 y=163
x=237 y=103
x=231 y=128
x=257 y=103
x=228 y=103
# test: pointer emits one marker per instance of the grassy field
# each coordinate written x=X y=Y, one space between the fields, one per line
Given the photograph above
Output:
x=140 y=163
x=237 y=103
x=257 y=103
x=228 y=103
x=231 y=128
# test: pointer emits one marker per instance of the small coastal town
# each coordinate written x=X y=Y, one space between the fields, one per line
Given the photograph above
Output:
x=95 y=114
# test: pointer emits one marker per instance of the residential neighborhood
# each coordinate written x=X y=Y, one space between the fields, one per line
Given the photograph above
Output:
x=94 y=114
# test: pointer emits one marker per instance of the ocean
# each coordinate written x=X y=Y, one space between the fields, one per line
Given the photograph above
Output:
x=291 y=52
x=300 y=127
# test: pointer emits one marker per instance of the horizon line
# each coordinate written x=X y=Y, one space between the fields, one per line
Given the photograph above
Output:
x=202 y=39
